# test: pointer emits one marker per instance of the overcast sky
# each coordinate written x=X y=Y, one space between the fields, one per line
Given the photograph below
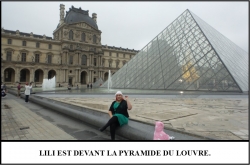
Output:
x=130 y=24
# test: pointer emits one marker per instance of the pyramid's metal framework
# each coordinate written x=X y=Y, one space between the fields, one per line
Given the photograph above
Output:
x=188 y=55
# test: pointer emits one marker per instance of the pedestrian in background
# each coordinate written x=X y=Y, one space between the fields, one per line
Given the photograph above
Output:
x=27 y=92
x=19 y=90
x=3 y=93
x=5 y=88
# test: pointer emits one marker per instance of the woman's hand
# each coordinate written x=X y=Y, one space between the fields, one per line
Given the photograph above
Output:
x=110 y=114
x=128 y=103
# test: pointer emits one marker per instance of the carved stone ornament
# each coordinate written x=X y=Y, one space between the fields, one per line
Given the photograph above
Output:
x=62 y=14
x=31 y=34
x=98 y=38
x=66 y=32
x=83 y=25
x=85 y=48
x=90 y=36
x=17 y=32
x=77 y=34
x=18 y=57
x=57 y=36
x=78 y=46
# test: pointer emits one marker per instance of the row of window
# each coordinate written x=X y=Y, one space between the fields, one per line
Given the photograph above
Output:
x=49 y=59
x=84 y=61
x=24 y=43
x=83 y=36
x=24 y=57
x=117 y=55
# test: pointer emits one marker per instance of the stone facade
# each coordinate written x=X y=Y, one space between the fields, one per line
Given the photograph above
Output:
x=74 y=55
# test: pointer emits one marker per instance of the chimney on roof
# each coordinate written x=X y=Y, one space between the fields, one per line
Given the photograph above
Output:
x=94 y=17
x=62 y=8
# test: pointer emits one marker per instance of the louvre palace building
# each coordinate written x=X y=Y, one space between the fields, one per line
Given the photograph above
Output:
x=74 y=55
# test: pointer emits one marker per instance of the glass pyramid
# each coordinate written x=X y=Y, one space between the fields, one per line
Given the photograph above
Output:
x=188 y=55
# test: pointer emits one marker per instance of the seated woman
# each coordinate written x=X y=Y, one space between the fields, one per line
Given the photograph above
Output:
x=118 y=113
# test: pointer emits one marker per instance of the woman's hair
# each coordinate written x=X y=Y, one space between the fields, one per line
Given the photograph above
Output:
x=27 y=83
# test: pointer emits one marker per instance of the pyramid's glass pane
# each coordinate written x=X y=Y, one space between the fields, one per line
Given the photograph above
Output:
x=233 y=57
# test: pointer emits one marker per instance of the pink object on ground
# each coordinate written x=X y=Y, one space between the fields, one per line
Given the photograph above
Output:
x=159 y=134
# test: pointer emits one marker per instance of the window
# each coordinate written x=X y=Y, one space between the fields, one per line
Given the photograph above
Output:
x=9 y=54
x=124 y=62
x=23 y=57
x=117 y=64
x=50 y=46
x=94 y=39
x=109 y=53
x=84 y=60
x=49 y=59
x=37 y=57
x=110 y=63
x=70 y=59
x=83 y=36
x=130 y=56
x=117 y=55
x=71 y=46
x=37 y=44
x=123 y=55
x=71 y=35
x=9 y=41
x=24 y=43
x=37 y=76
x=23 y=75
x=94 y=61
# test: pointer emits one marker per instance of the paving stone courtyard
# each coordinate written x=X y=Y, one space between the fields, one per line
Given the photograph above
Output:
x=222 y=119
